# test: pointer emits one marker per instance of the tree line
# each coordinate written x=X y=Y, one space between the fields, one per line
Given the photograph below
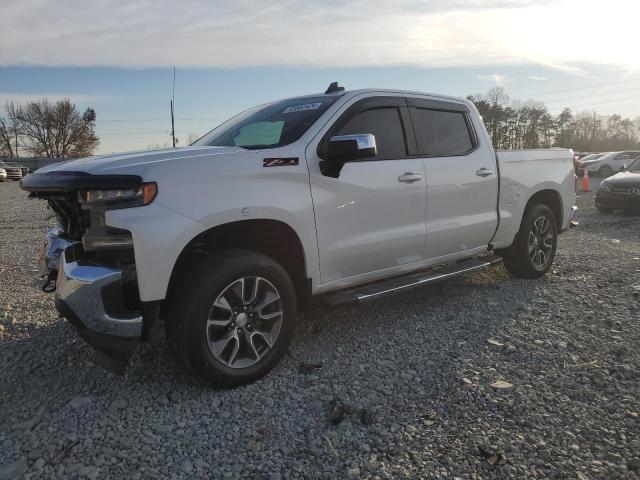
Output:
x=47 y=129
x=516 y=124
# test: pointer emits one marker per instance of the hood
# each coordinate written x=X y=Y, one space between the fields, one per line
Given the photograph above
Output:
x=108 y=164
x=623 y=179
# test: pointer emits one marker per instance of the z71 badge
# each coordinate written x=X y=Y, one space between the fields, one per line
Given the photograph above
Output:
x=280 y=162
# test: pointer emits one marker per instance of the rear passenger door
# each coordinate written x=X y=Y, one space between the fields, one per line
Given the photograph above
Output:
x=462 y=181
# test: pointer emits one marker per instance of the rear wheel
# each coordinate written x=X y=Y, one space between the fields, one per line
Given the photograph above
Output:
x=605 y=171
x=232 y=318
x=533 y=252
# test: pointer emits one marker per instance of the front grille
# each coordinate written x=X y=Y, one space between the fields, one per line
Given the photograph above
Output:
x=71 y=217
x=621 y=190
x=631 y=191
x=13 y=172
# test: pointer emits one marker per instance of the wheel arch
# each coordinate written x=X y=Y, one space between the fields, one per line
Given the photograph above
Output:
x=545 y=195
x=273 y=238
x=552 y=199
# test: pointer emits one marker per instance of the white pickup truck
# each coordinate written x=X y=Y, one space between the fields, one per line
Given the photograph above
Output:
x=342 y=196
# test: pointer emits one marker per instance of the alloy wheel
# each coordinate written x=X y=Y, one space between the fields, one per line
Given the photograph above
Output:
x=244 y=322
x=541 y=242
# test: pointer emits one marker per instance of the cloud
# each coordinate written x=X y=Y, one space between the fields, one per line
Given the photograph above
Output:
x=352 y=33
x=498 y=78
x=536 y=78
x=34 y=97
x=77 y=98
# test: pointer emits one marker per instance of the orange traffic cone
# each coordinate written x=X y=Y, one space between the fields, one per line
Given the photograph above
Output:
x=586 y=186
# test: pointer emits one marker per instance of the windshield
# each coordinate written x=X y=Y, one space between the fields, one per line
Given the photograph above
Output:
x=269 y=126
x=635 y=166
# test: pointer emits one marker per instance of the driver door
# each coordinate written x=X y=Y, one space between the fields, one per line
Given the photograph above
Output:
x=371 y=218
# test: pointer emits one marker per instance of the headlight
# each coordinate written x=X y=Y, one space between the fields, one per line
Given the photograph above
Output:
x=136 y=197
x=604 y=187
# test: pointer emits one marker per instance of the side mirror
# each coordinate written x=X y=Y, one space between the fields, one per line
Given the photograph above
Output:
x=347 y=148
x=351 y=147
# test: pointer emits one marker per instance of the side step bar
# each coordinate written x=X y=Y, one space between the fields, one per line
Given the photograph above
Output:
x=376 y=290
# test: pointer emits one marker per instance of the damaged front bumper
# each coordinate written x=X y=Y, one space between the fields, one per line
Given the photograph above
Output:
x=91 y=297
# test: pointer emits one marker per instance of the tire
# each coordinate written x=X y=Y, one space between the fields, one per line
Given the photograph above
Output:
x=602 y=209
x=232 y=343
x=517 y=259
x=605 y=171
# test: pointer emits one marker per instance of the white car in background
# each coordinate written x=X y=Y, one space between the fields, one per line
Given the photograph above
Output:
x=609 y=163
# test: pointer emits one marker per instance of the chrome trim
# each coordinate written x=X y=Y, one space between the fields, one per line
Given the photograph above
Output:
x=80 y=286
x=364 y=140
x=423 y=278
x=572 y=212
x=52 y=249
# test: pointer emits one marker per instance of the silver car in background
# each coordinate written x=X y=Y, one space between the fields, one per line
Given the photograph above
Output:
x=609 y=163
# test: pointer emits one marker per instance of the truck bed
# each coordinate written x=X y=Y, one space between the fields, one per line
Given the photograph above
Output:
x=525 y=171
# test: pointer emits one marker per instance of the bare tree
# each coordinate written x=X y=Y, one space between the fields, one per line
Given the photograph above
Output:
x=564 y=127
x=10 y=130
x=193 y=136
x=58 y=130
x=158 y=146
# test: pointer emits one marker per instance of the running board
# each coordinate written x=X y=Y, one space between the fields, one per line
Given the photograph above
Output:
x=376 y=290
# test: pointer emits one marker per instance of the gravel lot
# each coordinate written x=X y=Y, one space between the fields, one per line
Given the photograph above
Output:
x=396 y=388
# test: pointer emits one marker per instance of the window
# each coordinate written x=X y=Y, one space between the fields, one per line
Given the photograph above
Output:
x=627 y=155
x=269 y=126
x=385 y=124
x=634 y=167
x=259 y=133
x=441 y=133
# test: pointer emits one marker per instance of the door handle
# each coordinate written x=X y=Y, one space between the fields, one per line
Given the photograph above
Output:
x=484 y=172
x=409 y=177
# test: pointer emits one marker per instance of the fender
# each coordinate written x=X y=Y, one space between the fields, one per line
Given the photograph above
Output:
x=160 y=235
x=512 y=206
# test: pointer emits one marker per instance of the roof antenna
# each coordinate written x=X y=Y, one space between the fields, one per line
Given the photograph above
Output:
x=334 y=88
x=173 y=97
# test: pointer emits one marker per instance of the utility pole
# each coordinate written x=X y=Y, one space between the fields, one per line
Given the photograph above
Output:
x=173 y=133
x=173 y=97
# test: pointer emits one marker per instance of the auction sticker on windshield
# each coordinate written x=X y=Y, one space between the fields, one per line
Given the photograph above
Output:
x=302 y=108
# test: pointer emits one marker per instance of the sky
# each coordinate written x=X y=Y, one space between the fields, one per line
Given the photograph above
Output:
x=118 y=56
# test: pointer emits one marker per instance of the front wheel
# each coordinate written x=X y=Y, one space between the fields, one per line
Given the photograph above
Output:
x=233 y=317
x=533 y=252
x=601 y=208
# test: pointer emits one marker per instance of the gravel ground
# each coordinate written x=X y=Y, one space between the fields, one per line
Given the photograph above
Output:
x=397 y=388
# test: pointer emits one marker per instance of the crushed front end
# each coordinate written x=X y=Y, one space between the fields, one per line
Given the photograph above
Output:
x=91 y=266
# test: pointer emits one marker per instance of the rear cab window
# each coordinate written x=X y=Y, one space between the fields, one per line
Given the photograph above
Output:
x=442 y=128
